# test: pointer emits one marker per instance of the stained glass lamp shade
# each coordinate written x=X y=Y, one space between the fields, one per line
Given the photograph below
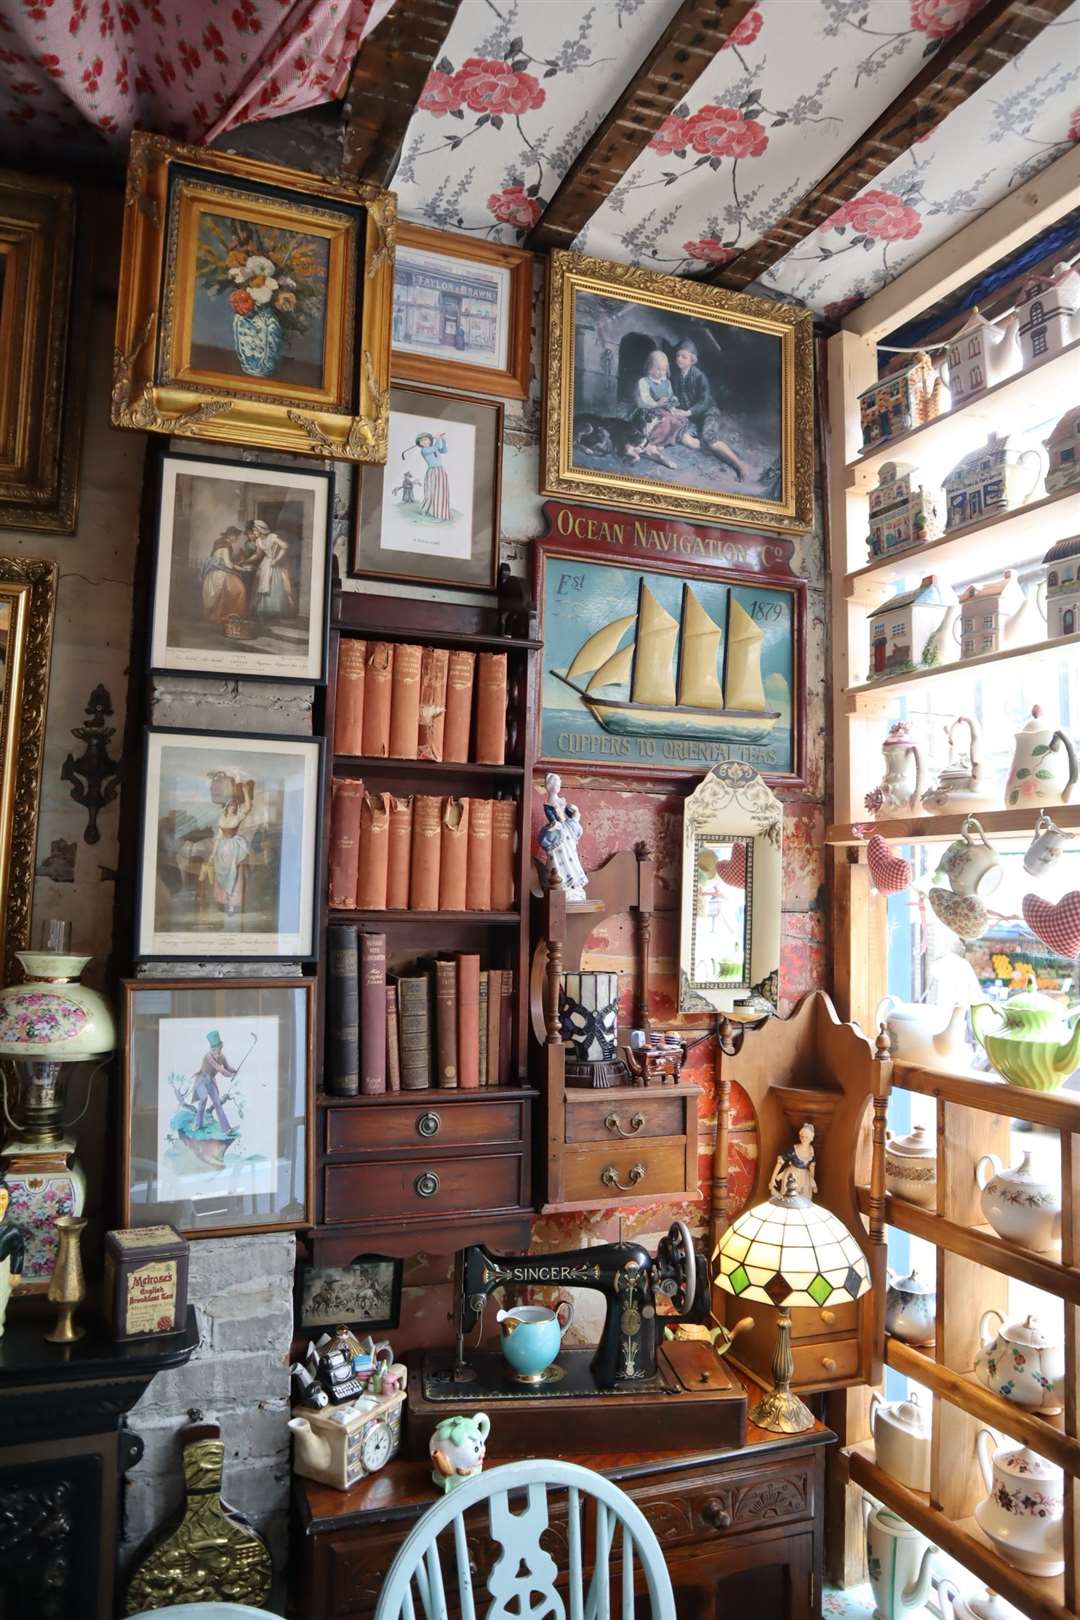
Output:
x=789 y=1252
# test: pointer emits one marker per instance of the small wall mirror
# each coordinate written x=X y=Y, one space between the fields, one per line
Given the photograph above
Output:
x=729 y=952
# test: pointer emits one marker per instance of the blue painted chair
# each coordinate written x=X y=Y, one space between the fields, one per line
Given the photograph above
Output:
x=523 y=1578
x=206 y=1611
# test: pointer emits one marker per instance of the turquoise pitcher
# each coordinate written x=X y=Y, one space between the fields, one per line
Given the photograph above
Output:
x=531 y=1337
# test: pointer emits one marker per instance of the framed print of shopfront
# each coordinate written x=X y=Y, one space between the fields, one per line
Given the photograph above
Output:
x=660 y=660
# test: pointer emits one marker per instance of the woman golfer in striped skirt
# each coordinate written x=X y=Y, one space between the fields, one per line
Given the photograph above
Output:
x=436 y=502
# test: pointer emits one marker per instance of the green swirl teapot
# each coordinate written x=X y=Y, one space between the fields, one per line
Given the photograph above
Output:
x=1030 y=1041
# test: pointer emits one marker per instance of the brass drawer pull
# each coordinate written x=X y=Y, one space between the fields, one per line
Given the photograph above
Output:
x=429 y=1124
x=636 y=1122
x=610 y=1177
x=716 y=1515
x=427 y=1185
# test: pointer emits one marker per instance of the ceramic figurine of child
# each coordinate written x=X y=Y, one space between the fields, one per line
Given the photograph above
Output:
x=11 y=1251
x=457 y=1449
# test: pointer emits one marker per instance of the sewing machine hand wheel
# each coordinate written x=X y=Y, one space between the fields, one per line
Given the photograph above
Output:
x=677 y=1263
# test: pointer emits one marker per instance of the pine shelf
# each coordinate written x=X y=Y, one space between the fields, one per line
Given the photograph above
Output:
x=942 y=829
x=858 y=697
x=1060 y=1110
x=370 y=765
x=495 y=919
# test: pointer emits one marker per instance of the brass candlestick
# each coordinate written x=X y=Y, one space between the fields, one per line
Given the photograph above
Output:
x=67 y=1288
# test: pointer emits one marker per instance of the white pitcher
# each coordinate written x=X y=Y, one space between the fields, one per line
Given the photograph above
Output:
x=900 y=1561
x=1044 y=768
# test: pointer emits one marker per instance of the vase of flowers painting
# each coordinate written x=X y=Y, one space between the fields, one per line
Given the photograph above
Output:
x=274 y=282
x=258 y=338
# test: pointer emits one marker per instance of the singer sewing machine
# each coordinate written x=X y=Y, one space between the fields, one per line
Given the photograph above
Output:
x=631 y=1370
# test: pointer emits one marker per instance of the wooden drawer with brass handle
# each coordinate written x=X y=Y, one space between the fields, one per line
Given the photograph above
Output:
x=396 y=1188
x=600 y=1120
x=408 y=1125
x=620 y=1168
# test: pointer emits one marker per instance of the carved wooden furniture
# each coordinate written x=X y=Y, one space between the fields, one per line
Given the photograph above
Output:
x=810 y=1067
x=63 y=1454
x=735 y=1526
x=433 y=1169
x=617 y=1145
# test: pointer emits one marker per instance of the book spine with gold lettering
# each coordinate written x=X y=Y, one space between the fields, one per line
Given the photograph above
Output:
x=374 y=852
x=414 y=1031
x=446 y=1024
x=468 y=1021
x=342 y=1011
x=491 y=708
x=453 y=854
x=405 y=702
x=478 y=869
x=427 y=836
x=346 y=800
x=349 y=697
x=495 y=978
x=399 y=857
x=372 y=1014
x=506 y=1031
x=504 y=814
x=393 y=1048
x=485 y=980
x=434 y=666
x=378 y=691
x=457 y=729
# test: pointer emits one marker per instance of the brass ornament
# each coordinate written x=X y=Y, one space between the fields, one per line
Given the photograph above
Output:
x=213 y=1554
x=67 y=1289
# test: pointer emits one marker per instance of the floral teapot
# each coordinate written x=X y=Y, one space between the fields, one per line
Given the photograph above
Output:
x=1044 y=768
x=1033 y=1046
x=898 y=792
x=1024 y=1507
x=1021 y=1362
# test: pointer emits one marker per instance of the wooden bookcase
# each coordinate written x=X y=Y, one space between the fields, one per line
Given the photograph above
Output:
x=439 y=1168
x=973 y=1113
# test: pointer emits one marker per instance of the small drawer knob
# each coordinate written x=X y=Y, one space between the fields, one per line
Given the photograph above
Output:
x=429 y=1124
x=827 y=1316
x=716 y=1514
x=829 y=1363
x=427 y=1185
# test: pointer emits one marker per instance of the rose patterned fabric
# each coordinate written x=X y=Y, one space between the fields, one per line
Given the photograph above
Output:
x=192 y=71
x=778 y=105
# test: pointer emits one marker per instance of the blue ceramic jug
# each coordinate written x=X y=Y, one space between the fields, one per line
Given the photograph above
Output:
x=532 y=1337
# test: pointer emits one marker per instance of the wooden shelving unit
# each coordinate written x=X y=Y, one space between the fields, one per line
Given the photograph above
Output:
x=974 y=1112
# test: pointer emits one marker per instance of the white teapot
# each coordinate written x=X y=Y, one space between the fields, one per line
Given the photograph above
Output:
x=901 y=1431
x=1019 y=1205
x=990 y=1607
x=1024 y=1507
x=1044 y=767
x=1021 y=1362
x=911 y=1167
x=925 y=1033
x=898 y=792
x=900 y=1562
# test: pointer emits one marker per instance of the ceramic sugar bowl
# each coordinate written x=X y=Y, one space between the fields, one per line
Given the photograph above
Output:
x=911 y=1167
x=901 y=1431
x=1023 y=1511
x=1020 y=1205
x=1021 y=1362
x=910 y=1308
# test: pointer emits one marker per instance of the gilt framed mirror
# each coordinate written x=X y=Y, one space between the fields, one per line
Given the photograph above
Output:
x=729 y=931
x=27 y=606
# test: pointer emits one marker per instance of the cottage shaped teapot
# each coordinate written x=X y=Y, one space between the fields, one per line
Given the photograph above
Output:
x=1021 y=1362
x=1032 y=1044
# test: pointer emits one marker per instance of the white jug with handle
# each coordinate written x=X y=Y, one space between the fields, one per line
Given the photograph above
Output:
x=1044 y=768
x=900 y=1562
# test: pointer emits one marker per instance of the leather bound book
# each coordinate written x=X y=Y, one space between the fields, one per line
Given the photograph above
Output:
x=495 y=979
x=478 y=873
x=459 y=688
x=484 y=981
x=506 y=1031
x=405 y=702
x=468 y=1020
x=503 y=838
x=372 y=1014
x=434 y=665
x=374 y=852
x=342 y=1011
x=378 y=684
x=446 y=1024
x=414 y=1031
x=491 y=708
x=453 y=854
x=346 y=798
x=426 y=837
x=393 y=1048
x=349 y=697
x=399 y=856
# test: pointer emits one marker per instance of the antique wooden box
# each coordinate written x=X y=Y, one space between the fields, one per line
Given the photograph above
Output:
x=146 y=1280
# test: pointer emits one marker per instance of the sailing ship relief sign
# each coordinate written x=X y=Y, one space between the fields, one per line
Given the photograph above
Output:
x=668 y=647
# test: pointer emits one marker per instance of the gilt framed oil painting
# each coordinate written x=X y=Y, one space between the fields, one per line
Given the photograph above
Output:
x=229 y=846
x=254 y=303
x=663 y=395
x=217 y=1086
x=242 y=570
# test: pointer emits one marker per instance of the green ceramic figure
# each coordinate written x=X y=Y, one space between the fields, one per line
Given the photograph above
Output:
x=11 y=1251
x=1029 y=1039
x=457 y=1449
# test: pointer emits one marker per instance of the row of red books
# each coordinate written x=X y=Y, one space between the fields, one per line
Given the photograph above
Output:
x=398 y=701
x=447 y=1024
x=423 y=853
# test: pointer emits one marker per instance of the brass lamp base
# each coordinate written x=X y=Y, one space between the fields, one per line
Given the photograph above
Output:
x=780 y=1411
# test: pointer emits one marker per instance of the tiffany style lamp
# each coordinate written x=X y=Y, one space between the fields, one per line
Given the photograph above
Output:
x=789 y=1251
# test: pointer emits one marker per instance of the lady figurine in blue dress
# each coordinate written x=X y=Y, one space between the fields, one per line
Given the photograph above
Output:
x=436 y=502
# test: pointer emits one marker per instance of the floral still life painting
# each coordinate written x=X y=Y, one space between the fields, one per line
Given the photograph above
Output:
x=260 y=300
x=217 y=1107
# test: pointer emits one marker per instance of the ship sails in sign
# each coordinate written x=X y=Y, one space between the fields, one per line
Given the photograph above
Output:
x=671 y=668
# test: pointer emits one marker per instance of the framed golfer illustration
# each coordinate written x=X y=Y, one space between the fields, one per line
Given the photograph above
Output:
x=217 y=1088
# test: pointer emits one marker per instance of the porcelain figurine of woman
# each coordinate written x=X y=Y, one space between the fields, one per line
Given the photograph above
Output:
x=559 y=839
x=11 y=1251
x=798 y=1161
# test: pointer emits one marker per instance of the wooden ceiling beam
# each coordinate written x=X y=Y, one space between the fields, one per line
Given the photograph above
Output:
x=681 y=54
x=388 y=77
x=986 y=44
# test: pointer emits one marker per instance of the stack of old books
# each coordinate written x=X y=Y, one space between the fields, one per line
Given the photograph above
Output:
x=396 y=701
x=423 y=853
x=447 y=1023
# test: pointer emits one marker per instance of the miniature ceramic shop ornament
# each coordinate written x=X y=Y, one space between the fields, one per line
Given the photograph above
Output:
x=1044 y=767
x=981 y=354
x=1028 y=1041
x=458 y=1448
x=960 y=785
x=1023 y=1511
x=927 y=1034
x=999 y=614
x=900 y=516
x=1044 y=850
x=1063 y=449
x=1021 y=1362
x=910 y=1308
x=901 y=1431
x=1018 y=1204
x=915 y=630
x=898 y=792
x=899 y=1561
x=343 y=1444
x=1002 y=474
x=911 y=1165
x=903 y=400
x=1048 y=313
x=530 y=1337
x=1062 y=564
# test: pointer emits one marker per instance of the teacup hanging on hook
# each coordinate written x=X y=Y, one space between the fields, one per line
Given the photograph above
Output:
x=1045 y=847
x=971 y=861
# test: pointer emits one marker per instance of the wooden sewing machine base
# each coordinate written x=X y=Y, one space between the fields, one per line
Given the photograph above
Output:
x=693 y=1395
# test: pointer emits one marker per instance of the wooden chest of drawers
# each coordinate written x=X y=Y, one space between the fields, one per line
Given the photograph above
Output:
x=621 y=1144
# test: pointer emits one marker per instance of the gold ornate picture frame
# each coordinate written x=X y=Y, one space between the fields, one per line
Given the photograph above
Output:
x=254 y=305
x=666 y=396
x=40 y=413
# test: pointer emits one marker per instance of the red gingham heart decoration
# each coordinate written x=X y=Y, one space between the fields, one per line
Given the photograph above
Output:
x=733 y=870
x=1057 y=925
x=891 y=872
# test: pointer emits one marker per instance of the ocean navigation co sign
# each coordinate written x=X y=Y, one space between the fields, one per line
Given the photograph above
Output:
x=668 y=647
